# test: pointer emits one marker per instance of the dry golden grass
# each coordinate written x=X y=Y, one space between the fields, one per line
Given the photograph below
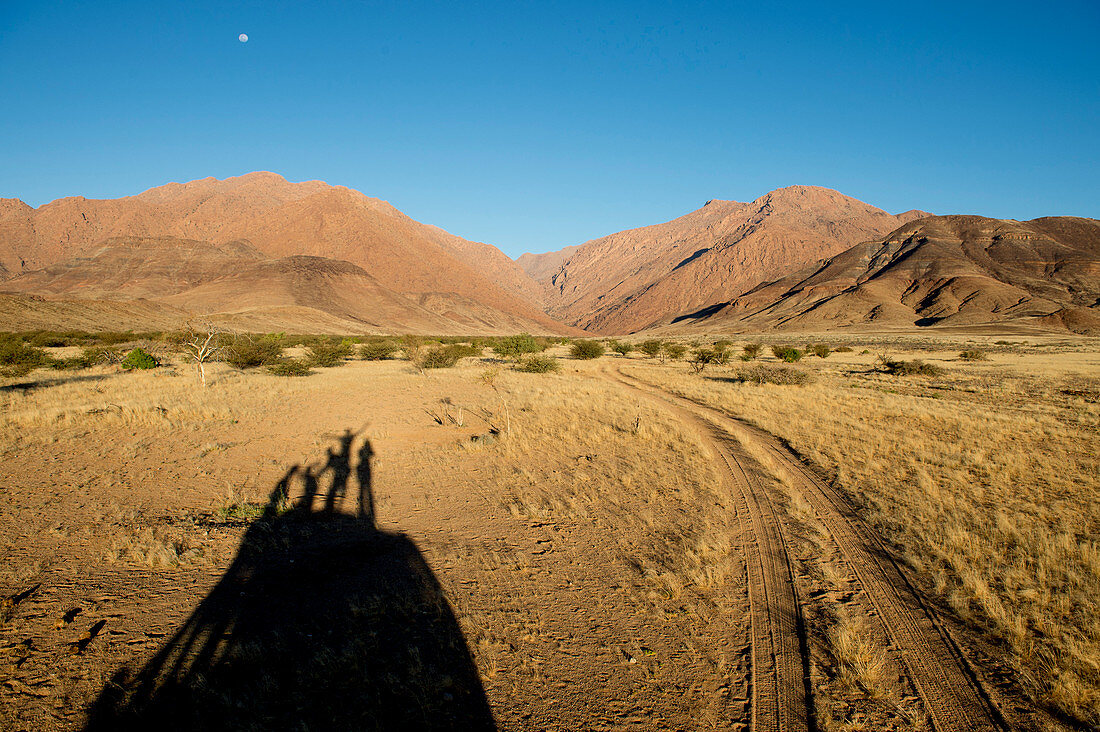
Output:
x=861 y=664
x=989 y=482
x=638 y=472
x=43 y=406
x=986 y=480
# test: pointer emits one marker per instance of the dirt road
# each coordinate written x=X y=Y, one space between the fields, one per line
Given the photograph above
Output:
x=951 y=696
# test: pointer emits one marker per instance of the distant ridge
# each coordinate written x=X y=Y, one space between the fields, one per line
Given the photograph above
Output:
x=942 y=271
x=119 y=249
x=633 y=279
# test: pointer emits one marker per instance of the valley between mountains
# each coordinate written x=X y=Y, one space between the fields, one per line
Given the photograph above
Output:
x=259 y=253
x=274 y=455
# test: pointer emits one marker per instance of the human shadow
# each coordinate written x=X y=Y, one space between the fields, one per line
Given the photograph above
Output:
x=322 y=622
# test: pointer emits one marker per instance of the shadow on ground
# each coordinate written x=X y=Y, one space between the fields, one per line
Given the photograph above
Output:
x=322 y=622
x=46 y=383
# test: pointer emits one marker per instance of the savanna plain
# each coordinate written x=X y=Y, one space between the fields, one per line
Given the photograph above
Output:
x=699 y=534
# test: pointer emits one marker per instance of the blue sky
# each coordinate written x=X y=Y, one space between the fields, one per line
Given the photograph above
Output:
x=535 y=125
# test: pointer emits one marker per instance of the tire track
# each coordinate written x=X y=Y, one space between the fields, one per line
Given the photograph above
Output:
x=778 y=693
x=951 y=693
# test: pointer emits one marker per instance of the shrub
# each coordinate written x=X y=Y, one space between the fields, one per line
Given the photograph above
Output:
x=139 y=358
x=441 y=357
x=909 y=368
x=518 y=345
x=412 y=346
x=47 y=339
x=675 y=351
x=781 y=375
x=586 y=350
x=289 y=367
x=466 y=350
x=973 y=355
x=621 y=347
x=820 y=350
x=750 y=351
x=18 y=358
x=537 y=364
x=114 y=339
x=787 y=353
x=652 y=349
x=377 y=350
x=328 y=352
x=844 y=349
x=246 y=353
x=702 y=357
x=723 y=344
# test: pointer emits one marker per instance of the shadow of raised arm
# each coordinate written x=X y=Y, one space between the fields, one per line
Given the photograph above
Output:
x=322 y=622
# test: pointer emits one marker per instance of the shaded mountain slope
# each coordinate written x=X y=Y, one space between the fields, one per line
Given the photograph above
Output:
x=125 y=268
x=943 y=271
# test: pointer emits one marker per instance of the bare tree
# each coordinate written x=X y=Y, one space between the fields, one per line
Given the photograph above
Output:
x=413 y=347
x=489 y=378
x=203 y=343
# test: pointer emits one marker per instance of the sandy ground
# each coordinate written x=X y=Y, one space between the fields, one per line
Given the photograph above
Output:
x=590 y=566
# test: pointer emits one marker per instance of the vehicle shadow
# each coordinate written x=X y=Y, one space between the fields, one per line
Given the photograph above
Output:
x=322 y=622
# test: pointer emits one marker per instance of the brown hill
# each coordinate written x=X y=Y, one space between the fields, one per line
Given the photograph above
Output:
x=343 y=290
x=238 y=283
x=942 y=271
x=633 y=279
x=279 y=219
x=31 y=312
x=126 y=268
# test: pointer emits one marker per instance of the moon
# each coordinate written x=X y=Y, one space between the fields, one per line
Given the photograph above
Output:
x=243 y=38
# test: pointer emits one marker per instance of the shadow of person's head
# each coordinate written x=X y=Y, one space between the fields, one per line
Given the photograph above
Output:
x=322 y=622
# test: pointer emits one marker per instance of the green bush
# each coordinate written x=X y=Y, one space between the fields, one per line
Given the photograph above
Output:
x=675 y=351
x=652 y=349
x=787 y=353
x=820 y=350
x=289 y=367
x=377 y=350
x=18 y=356
x=139 y=358
x=916 y=367
x=328 y=352
x=442 y=357
x=537 y=364
x=621 y=347
x=466 y=350
x=781 y=375
x=973 y=355
x=751 y=351
x=586 y=350
x=248 y=353
x=703 y=357
x=114 y=339
x=516 y=346
x=50 y=339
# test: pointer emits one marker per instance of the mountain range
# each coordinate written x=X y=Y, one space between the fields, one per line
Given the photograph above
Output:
x=260 y=253
x=943 y=271
x=260 y=250
x=628 y=281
